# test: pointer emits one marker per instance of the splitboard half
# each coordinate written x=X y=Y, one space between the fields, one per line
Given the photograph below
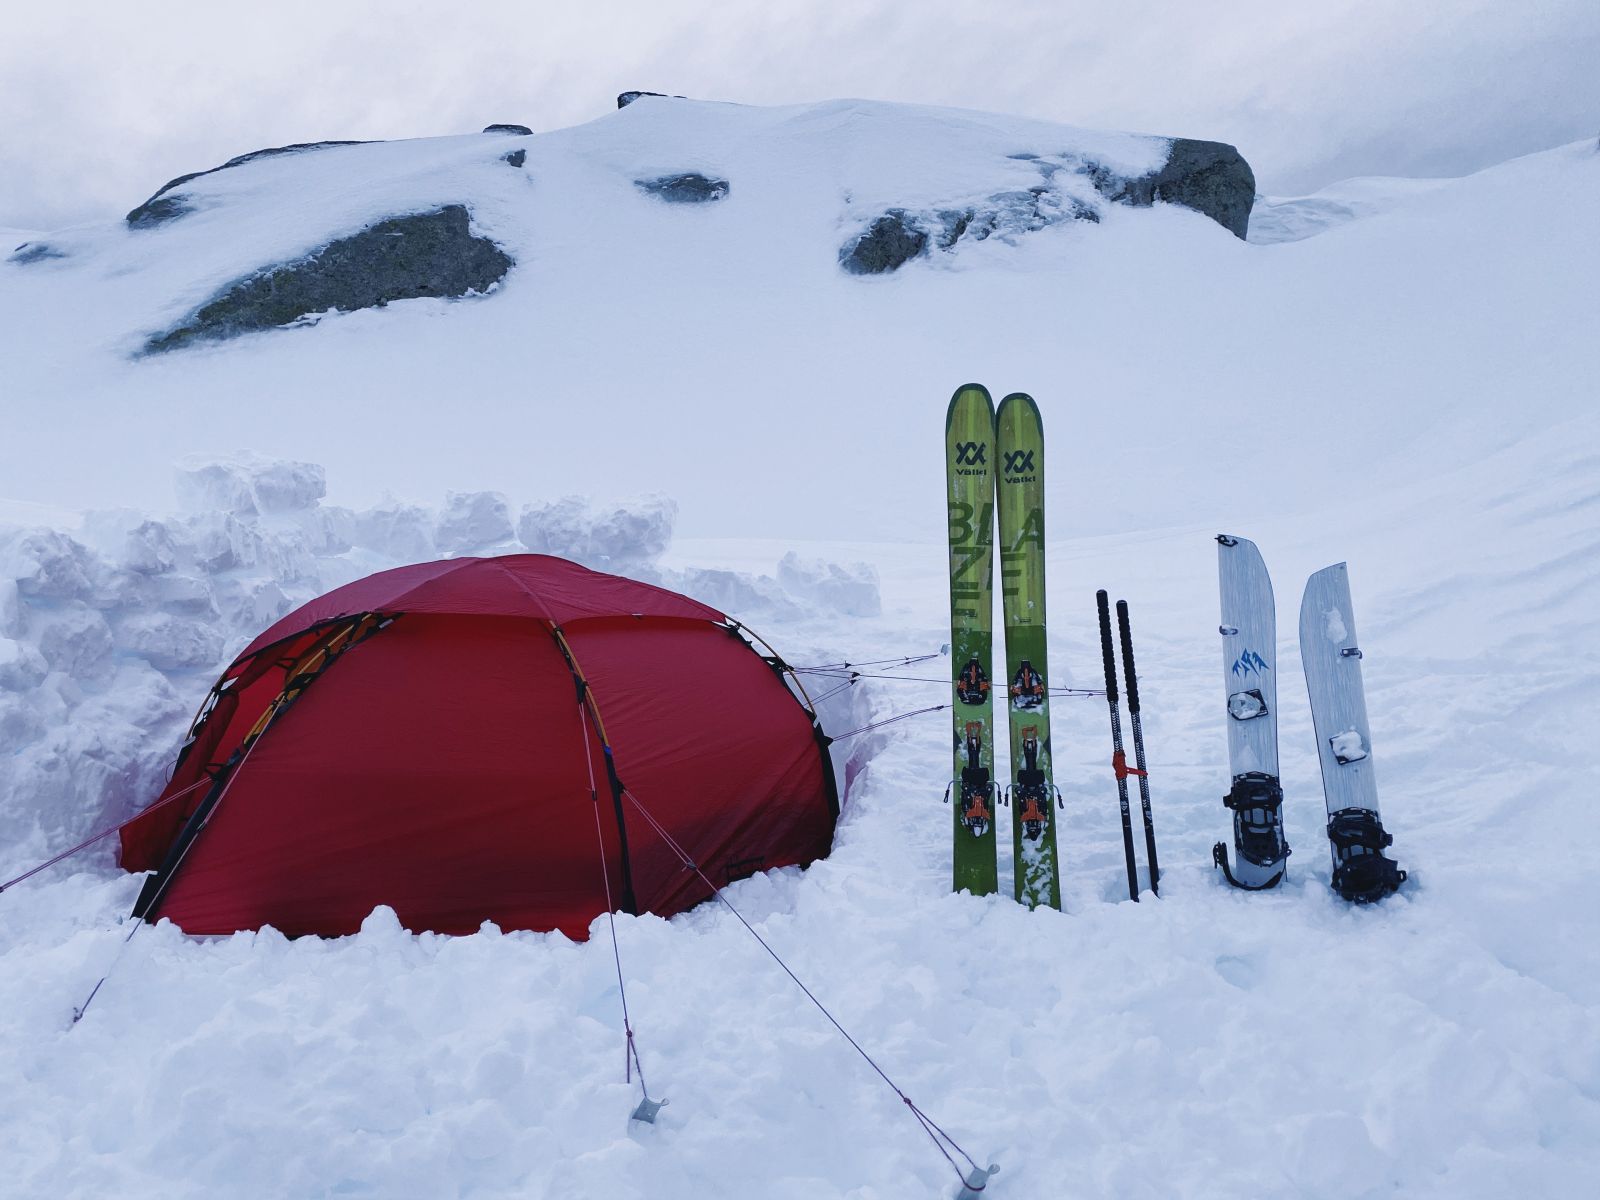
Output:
x=1332 y=661
x=1020 y=484
x=1249 y=632
x=969 y=470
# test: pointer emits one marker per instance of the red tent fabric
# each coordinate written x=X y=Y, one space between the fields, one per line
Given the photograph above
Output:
x=430 y=738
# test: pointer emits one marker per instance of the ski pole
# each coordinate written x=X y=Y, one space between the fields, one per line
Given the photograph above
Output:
x=1132 y=683
x=1118 y=762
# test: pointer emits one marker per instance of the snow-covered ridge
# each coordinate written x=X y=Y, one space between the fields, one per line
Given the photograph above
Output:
x=344 y=226
x=111 y=631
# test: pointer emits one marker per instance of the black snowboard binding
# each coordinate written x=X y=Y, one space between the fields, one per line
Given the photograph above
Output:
x=1256 y=801
x=972 y=685
x=1361 y=874
x=1031 y=794
x=1027 y=689
x=977 y=789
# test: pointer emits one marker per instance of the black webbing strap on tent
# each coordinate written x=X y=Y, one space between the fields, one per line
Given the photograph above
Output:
x=586 y=701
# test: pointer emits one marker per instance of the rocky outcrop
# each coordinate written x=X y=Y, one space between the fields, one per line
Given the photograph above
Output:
x=627 y=98
x=168 y=204
x=32 y=252
x=1209 y=177
x=401 y=258
x=519 y=130
x=688 y=188
x=890 y=242
x=516 y=157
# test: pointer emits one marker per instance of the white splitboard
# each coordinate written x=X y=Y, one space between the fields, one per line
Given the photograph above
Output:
x=1249 y=657
x=1332 y=661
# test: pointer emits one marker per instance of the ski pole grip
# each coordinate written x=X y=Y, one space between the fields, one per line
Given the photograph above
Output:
x=1129 y=679
x=1104 y=604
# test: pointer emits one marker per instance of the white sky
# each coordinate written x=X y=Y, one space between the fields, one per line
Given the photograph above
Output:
x=101 y=102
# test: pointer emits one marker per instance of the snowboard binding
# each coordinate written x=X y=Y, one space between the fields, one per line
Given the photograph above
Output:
x=1361 y=873
x=972 y=684
x=1027 y=689
x=977 y=789
x=1032 y=795
x=1256 y=800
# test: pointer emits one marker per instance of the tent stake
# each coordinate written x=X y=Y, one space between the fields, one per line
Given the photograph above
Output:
x=647 y=1109
x=977 y=1179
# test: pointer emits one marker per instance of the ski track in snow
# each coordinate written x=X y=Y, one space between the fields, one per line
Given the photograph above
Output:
x=1445 y=1043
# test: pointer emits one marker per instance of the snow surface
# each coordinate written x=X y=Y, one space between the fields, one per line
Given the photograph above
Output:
x=1445 y=1043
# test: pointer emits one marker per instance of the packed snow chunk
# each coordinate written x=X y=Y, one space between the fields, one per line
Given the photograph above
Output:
x=10 y=608
x=48 y=565
x=472 y=522
x=170 y=642
x=21 y=666
x=403 y=532
x=75 y=640
x=247 y=483
x=1348 y=747
x=737 y=592
x=1333 y=626
x=851 y=590
x=622 y=536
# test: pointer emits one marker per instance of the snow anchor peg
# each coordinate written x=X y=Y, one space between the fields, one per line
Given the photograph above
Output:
x=976 y=1181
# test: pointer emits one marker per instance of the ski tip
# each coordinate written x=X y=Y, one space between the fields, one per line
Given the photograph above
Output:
x=1021 y=398
x=964 y=392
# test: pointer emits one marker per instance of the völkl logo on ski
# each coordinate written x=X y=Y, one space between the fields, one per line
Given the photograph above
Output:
x=971 y=454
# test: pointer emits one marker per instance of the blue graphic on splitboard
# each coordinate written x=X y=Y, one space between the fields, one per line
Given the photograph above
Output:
x=1250 y=663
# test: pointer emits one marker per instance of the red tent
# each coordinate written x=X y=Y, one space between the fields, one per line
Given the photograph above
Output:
x=459 y=739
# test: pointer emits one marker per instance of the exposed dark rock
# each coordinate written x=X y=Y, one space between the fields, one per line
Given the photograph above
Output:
x=891 y=241
x=627 y=98
x=688 y=188
x=1210 y=177
x=401 y=258
x=150 y=213
x=32 y=252
x=899 y=236
x=516 y=157
x=520 y=130
x=158 y=210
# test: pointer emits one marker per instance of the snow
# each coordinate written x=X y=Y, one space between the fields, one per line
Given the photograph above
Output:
x=700 y=397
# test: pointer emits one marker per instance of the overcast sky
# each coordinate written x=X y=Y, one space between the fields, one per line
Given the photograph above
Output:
x=102 y=102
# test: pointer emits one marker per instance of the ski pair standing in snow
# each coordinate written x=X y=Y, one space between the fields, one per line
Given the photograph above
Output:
x=990 y=455
x=1119 y=762
x=1331 y=660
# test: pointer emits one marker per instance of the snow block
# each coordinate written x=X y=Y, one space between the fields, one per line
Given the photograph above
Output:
x=851 y=590
x=246 y=484
x=617 y=538
x=48 y=565
x=401 y=258
x=169 y=642
x=472 y=522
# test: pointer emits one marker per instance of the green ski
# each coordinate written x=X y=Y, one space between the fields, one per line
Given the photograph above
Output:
x=1019 y=440
x=969 y=468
